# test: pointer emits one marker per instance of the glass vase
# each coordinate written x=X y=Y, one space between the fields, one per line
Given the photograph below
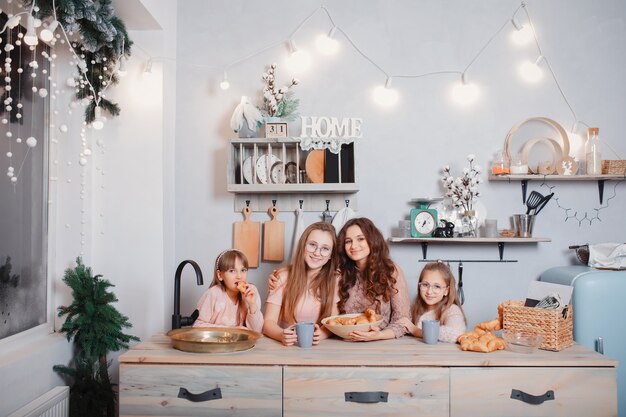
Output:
x=469 y=224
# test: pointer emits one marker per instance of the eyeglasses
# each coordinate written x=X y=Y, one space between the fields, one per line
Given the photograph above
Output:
x=424 y=286
x=312 y=247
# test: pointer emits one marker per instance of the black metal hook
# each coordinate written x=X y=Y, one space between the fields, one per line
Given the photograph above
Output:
x=300 y=201
x=347 y=203
x=273 y=203
x=327 y=204
x=247 y=203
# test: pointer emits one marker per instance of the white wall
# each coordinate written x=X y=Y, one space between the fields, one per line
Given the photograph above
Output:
x=403 y=149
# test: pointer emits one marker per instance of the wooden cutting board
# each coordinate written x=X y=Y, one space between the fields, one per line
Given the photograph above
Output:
x=246 y=238
x=273 y=238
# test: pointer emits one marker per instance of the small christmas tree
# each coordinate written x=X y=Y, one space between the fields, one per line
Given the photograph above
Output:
x=96 y=327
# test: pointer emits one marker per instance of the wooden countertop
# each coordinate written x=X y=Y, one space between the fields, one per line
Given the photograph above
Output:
x=403 y=352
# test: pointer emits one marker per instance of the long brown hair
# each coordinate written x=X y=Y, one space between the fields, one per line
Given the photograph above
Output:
x=442 y=307
x=223 y=263
x=322 y=284
x=377 y=276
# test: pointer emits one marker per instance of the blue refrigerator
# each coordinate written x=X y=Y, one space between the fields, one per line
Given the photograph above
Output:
x=599 y=302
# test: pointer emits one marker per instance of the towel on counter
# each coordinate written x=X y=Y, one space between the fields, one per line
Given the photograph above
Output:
x=342 y=216
x=607 y=256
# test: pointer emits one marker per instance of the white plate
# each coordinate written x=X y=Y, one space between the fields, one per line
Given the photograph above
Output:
x=263 y=164
x=247 y=170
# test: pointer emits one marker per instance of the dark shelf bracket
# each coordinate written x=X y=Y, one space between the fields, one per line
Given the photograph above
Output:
x=524 y=188
x=501 y=249
x=601 y=190
x=424 y=249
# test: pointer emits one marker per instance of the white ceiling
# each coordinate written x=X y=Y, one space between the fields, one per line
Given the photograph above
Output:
x=135 y=15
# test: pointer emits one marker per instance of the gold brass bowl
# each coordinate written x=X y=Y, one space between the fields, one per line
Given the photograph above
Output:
x=213 y=339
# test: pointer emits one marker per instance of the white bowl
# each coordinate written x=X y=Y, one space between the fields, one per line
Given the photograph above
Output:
x=343 y=330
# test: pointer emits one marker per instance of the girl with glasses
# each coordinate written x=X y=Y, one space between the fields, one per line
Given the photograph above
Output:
x=370 y=279
x=437 y=300
x=306 y=290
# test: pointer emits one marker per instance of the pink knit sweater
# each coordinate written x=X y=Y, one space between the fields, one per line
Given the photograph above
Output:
x=451 y=325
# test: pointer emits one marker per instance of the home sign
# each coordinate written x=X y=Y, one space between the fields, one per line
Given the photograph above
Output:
x=328 y=132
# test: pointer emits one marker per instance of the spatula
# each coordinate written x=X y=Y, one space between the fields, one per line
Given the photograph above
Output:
x=543 y=203
x=533 y=201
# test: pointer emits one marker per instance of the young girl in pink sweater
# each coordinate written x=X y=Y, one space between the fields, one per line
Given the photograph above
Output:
x=230 y=299
x=437 y=300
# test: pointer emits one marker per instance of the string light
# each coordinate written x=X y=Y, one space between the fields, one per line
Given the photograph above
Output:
x=299 y=60
x=31 y=37
x=225 y=85
x=47 y=34
x=531 y=72
x=122 y=71
x=384 y=95
x=522 y=35
x=326 y=43
x=98 y=122
x=464 y=93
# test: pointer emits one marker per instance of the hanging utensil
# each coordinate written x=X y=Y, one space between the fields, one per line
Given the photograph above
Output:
x=326 y=216
x=543 y=203
x=460 y=290
x=533 y=201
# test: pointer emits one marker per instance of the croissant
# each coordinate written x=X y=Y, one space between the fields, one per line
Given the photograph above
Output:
x=479 y=340
x=494 y=324
x=368 y=316
x=242 y=286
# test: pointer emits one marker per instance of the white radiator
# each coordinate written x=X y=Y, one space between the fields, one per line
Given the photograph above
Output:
x=54 y=403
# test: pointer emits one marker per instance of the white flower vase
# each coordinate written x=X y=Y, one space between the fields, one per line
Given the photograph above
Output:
x=469 y=224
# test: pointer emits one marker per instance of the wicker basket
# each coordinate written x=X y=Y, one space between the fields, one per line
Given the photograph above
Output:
x=557 y=326
x=614 y=166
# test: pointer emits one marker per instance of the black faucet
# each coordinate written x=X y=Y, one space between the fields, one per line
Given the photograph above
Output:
x=177 y=319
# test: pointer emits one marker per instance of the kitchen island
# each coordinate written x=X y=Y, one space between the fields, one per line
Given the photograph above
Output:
x=391 y=377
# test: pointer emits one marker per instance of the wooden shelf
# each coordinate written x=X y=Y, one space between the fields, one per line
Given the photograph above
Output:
x=424 y=241
x=536 y=177
x=294 y=188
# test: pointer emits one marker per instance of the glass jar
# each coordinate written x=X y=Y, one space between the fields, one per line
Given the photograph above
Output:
x=517 y=166
x=593 y=157
x=469 y=224
x=500 y=165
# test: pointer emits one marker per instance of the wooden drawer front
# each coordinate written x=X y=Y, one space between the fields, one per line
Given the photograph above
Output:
x=321 y=391
x=485 y=392
x=152 y=390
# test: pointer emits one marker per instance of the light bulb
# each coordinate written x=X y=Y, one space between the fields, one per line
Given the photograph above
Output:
x=465 y=93
x=122 y=68
x=384 y=95
x=522 y=35
x=47 y=34
x=98 y=123
x=298 y=60
x=225 y=85
x=531 y=72
x=326 y=44
x=31 y=37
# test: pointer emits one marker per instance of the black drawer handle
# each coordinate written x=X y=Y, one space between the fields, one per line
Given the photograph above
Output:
x=532 y=399
x=369 y=397
x=212 y=394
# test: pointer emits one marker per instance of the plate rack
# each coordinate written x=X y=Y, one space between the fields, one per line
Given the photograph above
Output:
x=257 y=183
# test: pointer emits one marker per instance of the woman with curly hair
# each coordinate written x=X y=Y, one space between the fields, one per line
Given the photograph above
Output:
x=370 y=279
